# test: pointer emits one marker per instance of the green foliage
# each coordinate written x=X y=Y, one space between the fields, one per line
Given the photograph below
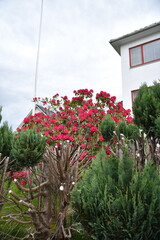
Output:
x=146 y=108
x=130 y=131
x=12 y=231
x=0 y=114
x=28 y=148
x=157 y=127
x=122 y=128
x=116 y=201
x=107 y=127
x=6 y=138
x=79 y=233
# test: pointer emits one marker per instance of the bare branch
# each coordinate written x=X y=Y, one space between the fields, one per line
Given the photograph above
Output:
x=31 y=189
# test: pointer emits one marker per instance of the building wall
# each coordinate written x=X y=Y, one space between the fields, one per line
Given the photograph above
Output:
x=133 y=78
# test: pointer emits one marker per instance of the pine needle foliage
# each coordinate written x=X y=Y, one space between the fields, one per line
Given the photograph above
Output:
x=130 y=131
x=28 y=148
x=146 y=108
x=107 y=127
x=116 y=201
x=0 y=114
x=6 y=138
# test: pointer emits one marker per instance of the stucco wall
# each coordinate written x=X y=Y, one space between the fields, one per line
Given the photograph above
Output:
x=133 y=78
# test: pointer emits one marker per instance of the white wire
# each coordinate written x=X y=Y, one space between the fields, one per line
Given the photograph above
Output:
x=38 y=51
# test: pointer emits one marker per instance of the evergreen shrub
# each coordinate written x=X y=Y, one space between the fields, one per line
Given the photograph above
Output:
x=116 y=201
x=107 y=127
x=6 y=138
x=28 y=148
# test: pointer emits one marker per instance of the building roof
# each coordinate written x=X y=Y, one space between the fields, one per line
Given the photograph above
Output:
x=40 y=109
x=143 y=32
x=44 y=110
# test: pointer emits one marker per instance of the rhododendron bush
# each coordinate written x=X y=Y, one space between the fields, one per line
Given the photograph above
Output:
x=71 y=129
x=77 y=120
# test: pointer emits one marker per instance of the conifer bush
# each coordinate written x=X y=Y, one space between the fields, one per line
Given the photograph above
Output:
x=6 y=138
x=28 y=148
x=131 y=131
x=146 y=109
x=107 y=127
x=116 y=201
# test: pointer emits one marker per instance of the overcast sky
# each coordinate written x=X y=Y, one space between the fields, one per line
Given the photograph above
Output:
x=75 y=51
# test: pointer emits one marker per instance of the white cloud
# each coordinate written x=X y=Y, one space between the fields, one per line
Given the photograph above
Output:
x=74 y=52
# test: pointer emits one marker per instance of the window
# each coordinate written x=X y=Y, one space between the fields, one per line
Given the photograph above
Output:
x=145 y=53
x=134 y=95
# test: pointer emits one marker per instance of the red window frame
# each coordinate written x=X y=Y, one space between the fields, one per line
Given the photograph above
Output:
x=142 y=54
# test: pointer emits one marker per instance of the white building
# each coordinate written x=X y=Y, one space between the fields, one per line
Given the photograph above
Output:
x=140 y=60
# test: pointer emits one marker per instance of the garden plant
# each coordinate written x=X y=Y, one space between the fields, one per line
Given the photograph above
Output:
x=90 y=146
x=49 y=154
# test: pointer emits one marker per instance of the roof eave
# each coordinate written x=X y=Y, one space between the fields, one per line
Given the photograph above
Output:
x=118 y=42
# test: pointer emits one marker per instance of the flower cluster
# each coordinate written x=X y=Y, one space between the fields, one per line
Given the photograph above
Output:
x=20 y=175
x=102 y=96
x=84 y=92
x=77 y=120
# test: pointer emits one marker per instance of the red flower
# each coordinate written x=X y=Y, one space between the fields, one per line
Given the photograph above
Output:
x=74 y=128
x=60 y=127
x=46 y=124
x=113 y=98
x=129 y=120
x=38 y=120
x=65 y=131
x=22 y=174
x=101 y=138
x=22 y=182
x=83 y=155
x=46 y=133
x=93 y=129
x=26 y=120
x=54 y=138
x=52 y=120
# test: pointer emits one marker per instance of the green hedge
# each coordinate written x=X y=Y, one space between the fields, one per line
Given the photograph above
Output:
x=116 y=201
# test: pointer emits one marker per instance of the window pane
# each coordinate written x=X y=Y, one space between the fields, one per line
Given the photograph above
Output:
x=152 y=51
x=134 y=94
x=136 y=57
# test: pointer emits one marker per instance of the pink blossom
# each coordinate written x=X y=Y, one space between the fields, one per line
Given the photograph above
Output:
x=38 y=120
x=46 y=133
x=73 y=117
x=93 y=129
x=22 y=182
x=113 y=98
x=26 y=120
x=22 y=174
x=74 y=128
x=65 y=131
x=129 y=119
x=82 y=156
x=71 y=138
x=101 y=138
x=58 y=127
x=54 y=138
x=110 y=111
